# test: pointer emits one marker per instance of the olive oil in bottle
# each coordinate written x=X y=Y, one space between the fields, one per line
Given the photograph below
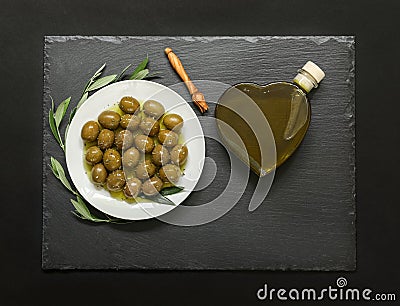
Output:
x=249 y=108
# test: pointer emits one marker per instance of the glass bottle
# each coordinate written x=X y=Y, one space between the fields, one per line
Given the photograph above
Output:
x=284 y=108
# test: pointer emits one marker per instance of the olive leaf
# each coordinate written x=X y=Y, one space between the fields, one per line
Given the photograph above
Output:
x=139 y=68
x=56 y=118
x=83 y=212
x=72 y=114
x=121 y=75
x=99 y=71
x=101 y=82
x=94 y=77
x=82 y=100
x=59 y=173
x=73 y=111
x=54 y=126
x=82 y=209
x=140 y=75
x=66 y=132
x=171 y=190
x=159 y=198
x=61 y=110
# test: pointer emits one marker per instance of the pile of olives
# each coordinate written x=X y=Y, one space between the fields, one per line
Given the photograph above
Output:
x=143 y=141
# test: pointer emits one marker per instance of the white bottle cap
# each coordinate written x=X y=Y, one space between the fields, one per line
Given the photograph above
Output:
x=314 y=71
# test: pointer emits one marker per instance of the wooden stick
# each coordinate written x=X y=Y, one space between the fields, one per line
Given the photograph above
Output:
x=197 y=97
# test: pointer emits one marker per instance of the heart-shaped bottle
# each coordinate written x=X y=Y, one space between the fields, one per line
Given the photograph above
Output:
x=270 y=121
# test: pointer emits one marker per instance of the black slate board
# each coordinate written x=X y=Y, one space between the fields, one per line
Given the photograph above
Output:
x=307 y=222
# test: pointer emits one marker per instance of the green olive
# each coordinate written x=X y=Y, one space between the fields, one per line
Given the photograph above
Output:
x=179 y=154
x=173 y=122
x=105 y=139
x=99 y=174
x=129 y=105
x=152 y=186
x=130 y=122
x=149 y=126
x=125 y=119
x=116 y=180
x=90 y=131
x=144 y=143
x=160 y=155
x=145 y=169
x=153 y=108
x=123 y=139
x=132 y=187
x=168 y=138
x=109 y=119
x=131 y=157
x=94 y=155
x=170 y=173
x=111 y=159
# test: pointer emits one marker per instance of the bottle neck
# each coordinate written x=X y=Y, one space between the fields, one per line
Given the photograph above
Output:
x=305 y=80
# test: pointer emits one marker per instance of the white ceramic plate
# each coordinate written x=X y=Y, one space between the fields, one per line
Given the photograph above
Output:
x=103 y=99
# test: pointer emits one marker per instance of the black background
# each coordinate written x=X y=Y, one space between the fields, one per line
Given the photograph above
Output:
x=23 y=25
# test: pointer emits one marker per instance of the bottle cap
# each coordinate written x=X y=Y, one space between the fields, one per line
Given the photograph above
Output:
x=314 y=71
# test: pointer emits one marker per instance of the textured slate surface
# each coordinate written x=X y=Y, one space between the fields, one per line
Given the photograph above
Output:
x=307 y=222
